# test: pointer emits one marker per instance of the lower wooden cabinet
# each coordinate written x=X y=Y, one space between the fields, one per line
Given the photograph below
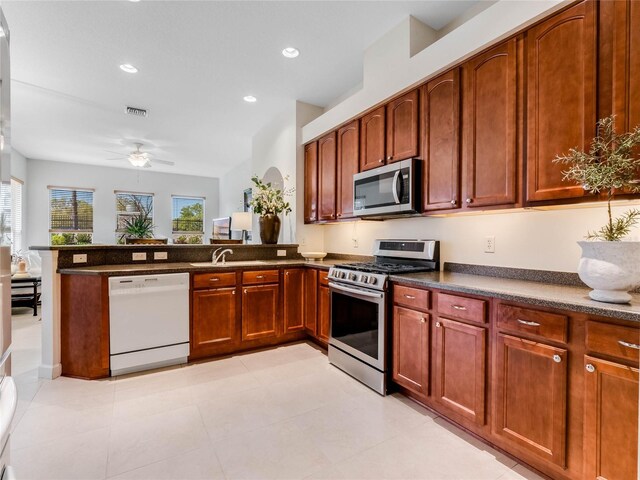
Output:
x=324 y=313
x=610 y=420
x=530 y=396
x=411 y=350
x=260 y=311
x=459 y=368
x=215 y=319
x=293 y=304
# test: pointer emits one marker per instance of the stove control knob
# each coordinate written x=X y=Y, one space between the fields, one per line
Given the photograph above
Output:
x=364 y=278
x=353 y=276
x=343 y=274
x=373 y=280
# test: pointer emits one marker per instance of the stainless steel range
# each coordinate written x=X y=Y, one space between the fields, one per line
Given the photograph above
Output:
x=360 y=308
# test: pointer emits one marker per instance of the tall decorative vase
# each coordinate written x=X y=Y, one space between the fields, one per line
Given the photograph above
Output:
x=611 y=269
x=269 y=228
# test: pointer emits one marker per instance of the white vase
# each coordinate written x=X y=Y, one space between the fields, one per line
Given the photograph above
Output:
x=611 y=269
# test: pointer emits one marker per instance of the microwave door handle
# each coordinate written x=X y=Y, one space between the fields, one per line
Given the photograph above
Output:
x=394 y=189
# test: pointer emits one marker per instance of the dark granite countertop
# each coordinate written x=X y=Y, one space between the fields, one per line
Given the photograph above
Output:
x=536 y=293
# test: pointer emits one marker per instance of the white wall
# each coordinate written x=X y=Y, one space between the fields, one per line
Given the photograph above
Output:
x=105 y=180
x=232 y=187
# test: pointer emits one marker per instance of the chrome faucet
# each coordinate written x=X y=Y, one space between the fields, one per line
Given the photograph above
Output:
x=215 y=256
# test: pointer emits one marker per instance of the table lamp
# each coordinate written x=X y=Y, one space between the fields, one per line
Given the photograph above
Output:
x=242 y=221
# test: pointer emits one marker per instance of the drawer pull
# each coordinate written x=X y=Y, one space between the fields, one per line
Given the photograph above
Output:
x=233 y=293
x=246 y=291
x=410 y=297
x=259 y=276
x=325 y=278
x=528 y=324
x=590 y=368
x=214 y=279
x=635 y=346
x=557 y=358
x=423 y=320
x=438 y=324
x=459 y=307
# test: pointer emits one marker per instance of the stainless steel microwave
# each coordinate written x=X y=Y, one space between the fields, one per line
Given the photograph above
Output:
x=387 y=191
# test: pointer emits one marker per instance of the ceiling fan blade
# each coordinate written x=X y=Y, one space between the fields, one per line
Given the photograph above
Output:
x=164 y=162
x=117 y=158
x=116 y=153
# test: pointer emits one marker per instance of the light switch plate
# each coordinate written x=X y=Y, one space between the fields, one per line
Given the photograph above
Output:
x=282 y=253
x=159 y=255
x=139 y=256
x=79 y=258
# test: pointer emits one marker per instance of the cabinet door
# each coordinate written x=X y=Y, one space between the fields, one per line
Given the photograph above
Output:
x=561 y=92
x=459 y=368
x=402 y=127
x=324 y=313
x=311 y=301
x=260 y=311
x=311 y=182
x=214 y=319
x=411 y=350
x=348 y=157
x=440 y=101
x=491 y=133
x=293 y=300
x=327 y=177
x=372 y=139
x=626 y=64
x=530 y=396
x=610 y=420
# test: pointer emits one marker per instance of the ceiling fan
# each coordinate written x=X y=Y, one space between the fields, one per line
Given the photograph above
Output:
x=138 y=158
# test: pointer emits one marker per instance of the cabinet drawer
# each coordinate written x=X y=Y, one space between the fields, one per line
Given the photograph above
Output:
x=533 y=322
x=463 y=308
x=414 y=298
x=614 y=340
x=323 y=277
x=260 y=276
x=214 y=280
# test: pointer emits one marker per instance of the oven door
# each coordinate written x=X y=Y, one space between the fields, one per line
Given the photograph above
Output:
x=358 y=323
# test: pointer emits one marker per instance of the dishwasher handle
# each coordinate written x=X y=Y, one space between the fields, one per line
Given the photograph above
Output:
x=146 y=290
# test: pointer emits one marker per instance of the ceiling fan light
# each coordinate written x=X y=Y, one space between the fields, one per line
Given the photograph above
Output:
x=138 y=159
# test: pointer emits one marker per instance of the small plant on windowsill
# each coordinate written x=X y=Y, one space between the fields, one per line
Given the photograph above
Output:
x=610 y=266
x=139 y=228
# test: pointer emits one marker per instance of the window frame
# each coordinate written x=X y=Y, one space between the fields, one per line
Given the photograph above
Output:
x=51 y=188
x=173 y=215
x=119 y=231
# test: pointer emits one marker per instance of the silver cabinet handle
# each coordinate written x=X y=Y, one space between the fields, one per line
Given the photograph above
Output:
x=468 y=200
x=453 y=202
x=557 y=358
x=590 y=368
x=410 y=297
x=438 y=324
x=233 y=293
x=326 y=278
x=259 y=276
x=635 y=346
x=390 y=157
x=423 y=320
x=214 y=279
x=528 y=324
x=381 y=160
x=459 y=307
x=246 y=291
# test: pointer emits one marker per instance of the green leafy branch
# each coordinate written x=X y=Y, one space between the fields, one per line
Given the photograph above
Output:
x=269 y=200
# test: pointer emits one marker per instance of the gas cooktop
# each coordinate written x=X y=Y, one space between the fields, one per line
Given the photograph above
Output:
x=387 y=267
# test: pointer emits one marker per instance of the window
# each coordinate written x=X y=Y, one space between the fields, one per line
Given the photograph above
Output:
x=16 y=215
x=5 y=213
x=70 y=215
x=187 y=218
x=129 y=205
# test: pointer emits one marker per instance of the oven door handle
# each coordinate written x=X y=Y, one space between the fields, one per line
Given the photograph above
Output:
x=355 y=291
x=394 y=188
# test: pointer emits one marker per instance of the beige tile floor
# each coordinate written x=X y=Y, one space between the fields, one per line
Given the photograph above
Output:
x=281 y=413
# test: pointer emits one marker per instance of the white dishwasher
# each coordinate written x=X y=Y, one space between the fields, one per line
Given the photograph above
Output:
x=149 y=321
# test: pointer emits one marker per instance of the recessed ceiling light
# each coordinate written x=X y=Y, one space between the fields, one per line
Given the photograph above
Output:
x=126 y=67
x=290 y=52
x=250 y=99
x=134 y=1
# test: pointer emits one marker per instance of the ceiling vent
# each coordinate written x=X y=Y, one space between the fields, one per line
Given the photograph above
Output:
x=138 y=112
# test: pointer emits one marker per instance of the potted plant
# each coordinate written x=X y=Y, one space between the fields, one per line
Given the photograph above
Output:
x=609 y=265
x=138 y=229
x=268 y=202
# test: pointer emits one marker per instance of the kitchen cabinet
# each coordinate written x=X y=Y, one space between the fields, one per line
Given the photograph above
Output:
x=530 y=396
x=327 y=149
x=440 y=114
x=491 y=125
x=411 y=350
x=348 y=162
x=459 y=371
x=372 y=139
x=402 y=127
x=626 y=64
x=260 y=311
x=214 y=320
x=561 y=97
x=324 y=308
x=294 y=296
x=311 y=301
x=311 y=182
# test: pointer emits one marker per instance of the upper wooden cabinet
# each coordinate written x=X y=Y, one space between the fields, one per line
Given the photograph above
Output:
x=626 y=64
x=327 y=177
x=311 y=182
x=491 y=137
x=440 y=113
x=294 y=300
x=561 y=97
x=372 y=139
x=348 y=162
x=402 y=127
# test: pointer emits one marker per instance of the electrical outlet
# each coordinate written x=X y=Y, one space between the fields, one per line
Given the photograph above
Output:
x=355 y=242
x=159 y=255
x=490 y=244
x=282 y=253
x=139 y=256
x=79 y=258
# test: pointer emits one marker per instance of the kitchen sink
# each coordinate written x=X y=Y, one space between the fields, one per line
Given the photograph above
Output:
x=236 y=263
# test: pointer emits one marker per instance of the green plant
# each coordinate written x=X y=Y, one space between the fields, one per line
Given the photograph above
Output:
x=181 y=239
x=194 y=239
x=269 y=200
x=609 y=165
x=57 y=239
x=83 y=238
x=69 y=238
x=140 y=225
